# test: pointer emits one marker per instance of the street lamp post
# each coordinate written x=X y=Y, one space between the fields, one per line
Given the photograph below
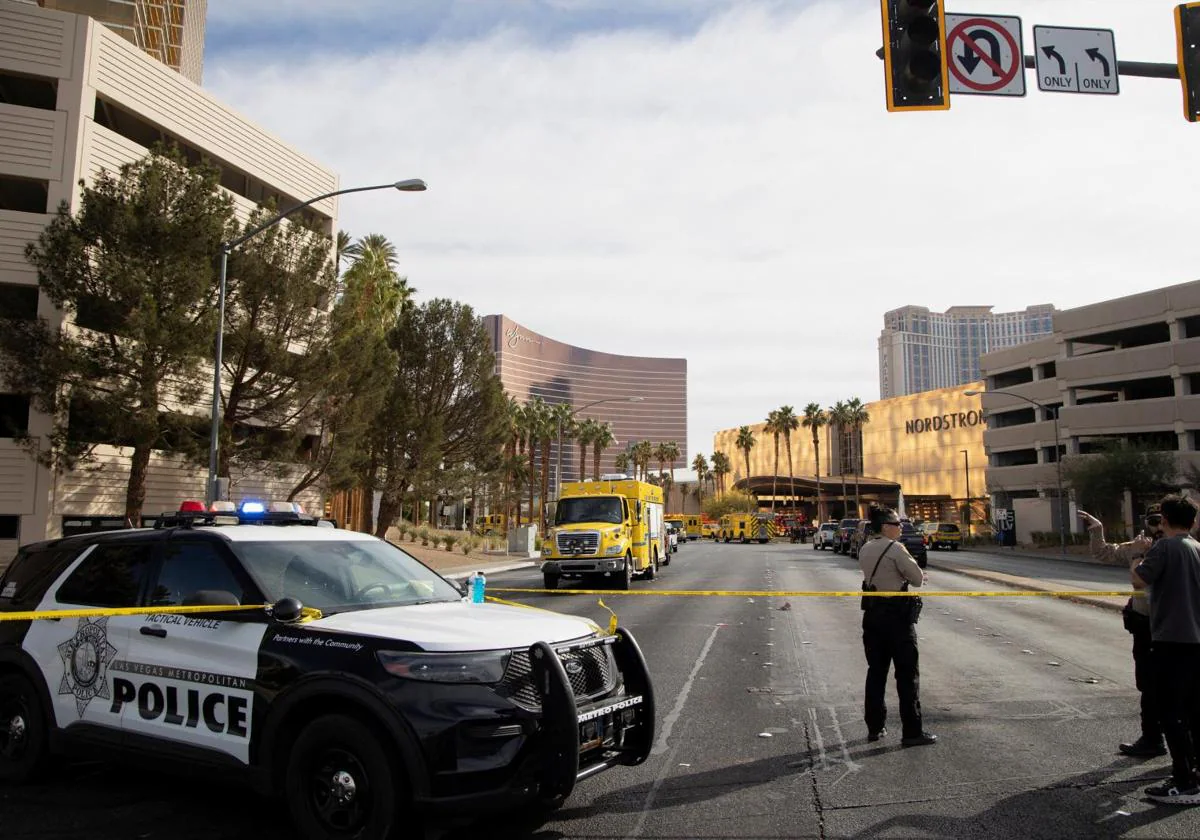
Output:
x=1062 y=519
x=558 y=454
x=409 y=185
x=967 y=476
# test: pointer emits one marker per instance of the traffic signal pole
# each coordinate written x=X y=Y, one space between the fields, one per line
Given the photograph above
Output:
x=1146 y=69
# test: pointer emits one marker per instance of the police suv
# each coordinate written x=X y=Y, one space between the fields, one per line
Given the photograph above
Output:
x=359 y=685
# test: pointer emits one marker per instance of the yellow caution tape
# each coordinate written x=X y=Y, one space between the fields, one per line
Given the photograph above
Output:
x=612 y=622
x=821 y=594
x=306 y=614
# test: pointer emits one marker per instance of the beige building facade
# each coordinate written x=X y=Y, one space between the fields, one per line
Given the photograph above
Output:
x=78 y=98
x=922 y=452
x=1125 y=369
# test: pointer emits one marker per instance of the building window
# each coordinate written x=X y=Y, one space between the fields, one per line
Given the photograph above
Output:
x=10 y=527
x=1189 y=327
x=1015 y=458
x=28 y=91
x=19 y=303
x=23 y=195
x=14 y=415
x=1048 y=370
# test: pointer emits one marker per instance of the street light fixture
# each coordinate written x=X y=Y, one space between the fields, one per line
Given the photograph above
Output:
x=407 y=185
x=1062 y=521
x=574 y=411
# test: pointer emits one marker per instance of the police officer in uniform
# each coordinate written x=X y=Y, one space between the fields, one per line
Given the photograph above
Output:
x=889 y=628
x=1136 y=616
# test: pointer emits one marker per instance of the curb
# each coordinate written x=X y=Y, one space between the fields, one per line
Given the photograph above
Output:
x=1017 y=582
x=463 y=572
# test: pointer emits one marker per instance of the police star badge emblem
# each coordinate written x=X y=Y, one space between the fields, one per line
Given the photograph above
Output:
x=85 y=657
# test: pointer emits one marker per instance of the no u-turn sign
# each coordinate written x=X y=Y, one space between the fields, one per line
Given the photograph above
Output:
x=985 y=55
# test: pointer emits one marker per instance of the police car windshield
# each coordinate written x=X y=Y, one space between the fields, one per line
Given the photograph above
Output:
x=589 y=509
x=341 y=576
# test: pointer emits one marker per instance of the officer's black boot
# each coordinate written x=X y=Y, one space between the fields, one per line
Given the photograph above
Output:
x=1144 y=747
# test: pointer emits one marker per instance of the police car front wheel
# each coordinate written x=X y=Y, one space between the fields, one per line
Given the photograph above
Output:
x=341 y=783
x=23 y=738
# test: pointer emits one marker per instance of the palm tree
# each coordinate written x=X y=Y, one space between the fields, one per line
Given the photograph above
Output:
x=585 y=434
x=666 y=453
x=839 y=416
x=788 y=422
x=745 y=442
x=815 y=418
x=562 y=417
x=604 y=438
x=700 y=465
x=643 y=451
x=547 y=429
x=772 y=428
x=720 y=469
x=621 y=462
x=535 y=424
x=375 y=257
x=512 y=419
x=858 y=416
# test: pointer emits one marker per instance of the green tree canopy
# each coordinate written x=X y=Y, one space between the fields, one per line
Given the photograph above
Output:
x=445 y=405
x=135 y=269
x=1101 y=479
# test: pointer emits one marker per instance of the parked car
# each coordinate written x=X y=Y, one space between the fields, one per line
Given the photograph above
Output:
x=914 y=541
x=823 y=538
x=942 y=535
x=841 y=539
x=910 y=536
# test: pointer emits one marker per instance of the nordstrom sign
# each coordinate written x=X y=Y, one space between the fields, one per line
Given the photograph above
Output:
x=942 y=422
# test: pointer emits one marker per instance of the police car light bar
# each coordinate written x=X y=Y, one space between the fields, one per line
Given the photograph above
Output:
x=252 y=507
x=191 y=506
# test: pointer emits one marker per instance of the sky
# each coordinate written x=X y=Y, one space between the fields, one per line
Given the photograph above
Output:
x=719 y=180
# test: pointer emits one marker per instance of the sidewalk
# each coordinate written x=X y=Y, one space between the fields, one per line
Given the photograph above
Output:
x=459 y=566
x=1040 y=572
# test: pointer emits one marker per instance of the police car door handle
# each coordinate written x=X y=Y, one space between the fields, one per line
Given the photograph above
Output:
x=159 y=632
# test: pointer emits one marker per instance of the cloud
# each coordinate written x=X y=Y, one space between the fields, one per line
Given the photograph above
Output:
x=737 y=194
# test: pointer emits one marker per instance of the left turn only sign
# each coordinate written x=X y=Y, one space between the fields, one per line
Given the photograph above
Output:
x=985 y=55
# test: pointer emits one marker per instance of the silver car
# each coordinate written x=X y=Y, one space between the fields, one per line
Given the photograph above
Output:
x=823 y=538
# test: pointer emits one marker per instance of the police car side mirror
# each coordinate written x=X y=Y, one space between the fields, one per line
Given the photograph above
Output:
x=287 y=610
x=211 y=598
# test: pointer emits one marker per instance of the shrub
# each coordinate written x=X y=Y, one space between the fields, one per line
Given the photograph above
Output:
x=423 y=533
x=467 y=545
x=449 y=540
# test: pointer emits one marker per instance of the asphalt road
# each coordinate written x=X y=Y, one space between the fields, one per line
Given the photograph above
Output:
x=1029 y=695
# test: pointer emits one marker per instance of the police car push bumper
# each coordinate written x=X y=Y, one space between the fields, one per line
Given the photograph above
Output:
x=582 y=741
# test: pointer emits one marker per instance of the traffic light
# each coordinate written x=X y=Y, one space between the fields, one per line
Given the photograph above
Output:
x=1187 y=36
x=914 y=55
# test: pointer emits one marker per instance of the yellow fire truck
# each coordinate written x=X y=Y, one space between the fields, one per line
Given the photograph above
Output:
x=744 y=527
x=609 y=530
x=691 y=525
x=493 y=523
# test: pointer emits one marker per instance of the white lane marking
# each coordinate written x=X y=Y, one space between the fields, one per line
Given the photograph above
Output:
x=851 y=766
x=652 y=796
x=816 y=732
x=660 y=745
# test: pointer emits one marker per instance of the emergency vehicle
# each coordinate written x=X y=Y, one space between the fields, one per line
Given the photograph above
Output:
x=692 y=527
x=494 y=524
x=745 y=527
x=335 y=671
x=609 y=530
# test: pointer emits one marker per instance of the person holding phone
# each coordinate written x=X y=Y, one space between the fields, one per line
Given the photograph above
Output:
x=1136 y=617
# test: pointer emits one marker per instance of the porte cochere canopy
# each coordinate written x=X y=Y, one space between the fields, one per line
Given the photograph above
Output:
x=831 y=487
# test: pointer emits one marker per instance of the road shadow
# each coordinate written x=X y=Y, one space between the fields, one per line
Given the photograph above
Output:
x=1084 y=805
